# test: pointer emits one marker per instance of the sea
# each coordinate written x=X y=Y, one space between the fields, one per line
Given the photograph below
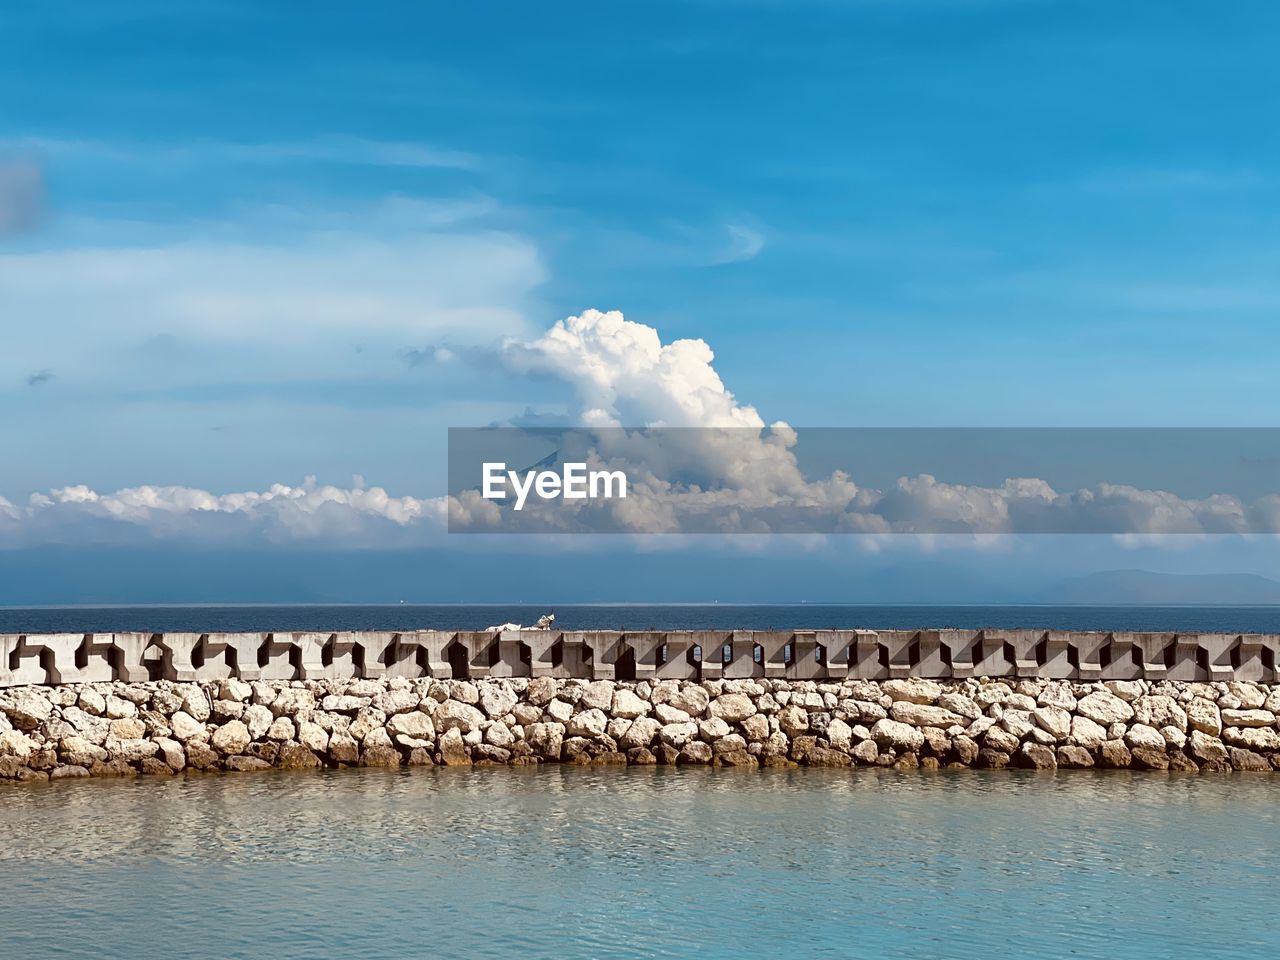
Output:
x=217 y=618
x=641 y=862
x=581 y=863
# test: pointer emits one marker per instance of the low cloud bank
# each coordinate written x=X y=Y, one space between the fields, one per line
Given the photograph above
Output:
x=736 y=474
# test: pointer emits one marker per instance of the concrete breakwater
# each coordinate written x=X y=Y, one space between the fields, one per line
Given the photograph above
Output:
x=166 y=727
x=826 y=655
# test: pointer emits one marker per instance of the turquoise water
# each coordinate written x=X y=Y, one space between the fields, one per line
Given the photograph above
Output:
x=641 y=862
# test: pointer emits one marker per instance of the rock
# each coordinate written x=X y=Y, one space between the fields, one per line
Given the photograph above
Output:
x=1248 y=718
x=171 y=752
x=541 y=690
x=865 y=752
x=923 y=715
x=79 y=752
x=1105 y=708
x=912 y=690
x=1246 y=761
x=1140 y=736
x=294 y=756
x=282 y=729
x=344 y=703
x=964 y=750
x=1158 y=710
x=186 y=727
x=26 y=710
x=641 y=757
x=456 y=715
x=896 y=735
x=1249 y=695
x=1203 y=715
x=200 y=756
x=1087 y=734
x=678 y=734
x=1037 y=757
x=1147 y=758
x=195 y=703
x=825 y=757
x=998 y=738
x=693 y=700
x=118 y=708
x=695 y=751
x=1074 y=757
x=1206 y=747
x=131 y=750
x=839 y=735
x=1055 y=721
x=641 y=733
x=1127 y=690
x=560 y=710
x=1251 y=738
x=314 y=737
x=231 y=738
x=292 y=701
x=497 y=700
x=738 y=758
x=68 y=772
x=1114 y=754
x=385 y=755
x=257 y=718
x=236 y=690
x=247 y=764
x=1174 y=737
x=960 y=705
x=597 y=695
x=127 y=729
x=92 y=702
x=416 y=724
x=793 y=720
x=731 y=707
x=546 y=739
x=628 y=706
x=1018 y=723
x=588 y=723
x=342 y=746
x=713 y=729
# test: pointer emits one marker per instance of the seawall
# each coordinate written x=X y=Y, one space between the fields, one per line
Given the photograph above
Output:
x=164 y=727
x=822 y=655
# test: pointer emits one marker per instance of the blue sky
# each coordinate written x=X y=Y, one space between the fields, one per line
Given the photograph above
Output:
x=253 y=219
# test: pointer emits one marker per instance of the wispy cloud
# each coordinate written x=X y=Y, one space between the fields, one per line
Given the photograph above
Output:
x=1139 y=180
x=356 y=151
x=286 y=302
x=742 y=243
x=40 y=377
x=22 y=195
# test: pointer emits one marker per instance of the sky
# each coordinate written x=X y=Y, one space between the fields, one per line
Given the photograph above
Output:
x=244 y=245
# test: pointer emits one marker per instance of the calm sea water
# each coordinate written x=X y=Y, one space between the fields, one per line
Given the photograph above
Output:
x=216 y=618
x=641 y=862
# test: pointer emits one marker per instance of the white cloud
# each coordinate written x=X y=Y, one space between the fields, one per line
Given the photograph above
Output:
x=357 y=516
x=289 y=300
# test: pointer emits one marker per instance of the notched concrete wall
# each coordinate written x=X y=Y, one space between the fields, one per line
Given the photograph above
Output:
x=637 y=655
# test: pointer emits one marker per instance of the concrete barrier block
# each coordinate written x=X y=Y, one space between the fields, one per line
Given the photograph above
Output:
x=995 y=656
x=808 y=657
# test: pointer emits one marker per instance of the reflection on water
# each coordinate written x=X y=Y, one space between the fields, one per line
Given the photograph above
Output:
x=641 y=862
